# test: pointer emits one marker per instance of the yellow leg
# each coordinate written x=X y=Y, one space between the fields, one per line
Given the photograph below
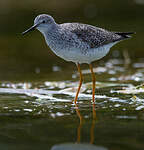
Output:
x=80 y=83
x=93 y=81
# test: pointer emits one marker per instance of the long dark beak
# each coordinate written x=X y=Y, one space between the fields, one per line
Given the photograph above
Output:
x=30 y=29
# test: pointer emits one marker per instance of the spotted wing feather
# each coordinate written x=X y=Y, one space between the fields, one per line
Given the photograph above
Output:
x=93 y=36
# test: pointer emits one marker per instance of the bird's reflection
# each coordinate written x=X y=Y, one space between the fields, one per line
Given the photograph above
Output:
x=81 y=123
x=93 y=125
x=78 y=145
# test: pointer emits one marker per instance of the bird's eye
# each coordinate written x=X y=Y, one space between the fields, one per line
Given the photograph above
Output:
x=43 y=21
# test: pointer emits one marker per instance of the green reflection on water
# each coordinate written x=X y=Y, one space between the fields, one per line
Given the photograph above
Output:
x=40 y=114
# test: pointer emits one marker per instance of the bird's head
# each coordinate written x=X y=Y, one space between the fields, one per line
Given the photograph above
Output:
x=42 y=23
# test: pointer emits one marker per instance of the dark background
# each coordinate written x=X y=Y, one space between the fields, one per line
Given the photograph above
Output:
x=33 y=120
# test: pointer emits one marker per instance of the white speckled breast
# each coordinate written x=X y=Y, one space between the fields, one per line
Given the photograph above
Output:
x=76 y=54
x=73 y=47
x=90 y=55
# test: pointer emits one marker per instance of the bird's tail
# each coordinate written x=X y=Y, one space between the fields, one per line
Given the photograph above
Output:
x=125 y=34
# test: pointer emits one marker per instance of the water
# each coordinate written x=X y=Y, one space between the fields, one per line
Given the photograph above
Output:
x=40 y=114
x=37 y=88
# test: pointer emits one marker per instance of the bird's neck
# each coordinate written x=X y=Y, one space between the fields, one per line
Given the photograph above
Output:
x=52 y=36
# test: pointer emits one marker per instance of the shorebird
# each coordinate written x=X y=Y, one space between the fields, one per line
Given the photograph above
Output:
x=77 y=42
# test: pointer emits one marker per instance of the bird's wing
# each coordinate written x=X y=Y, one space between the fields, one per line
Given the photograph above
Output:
x=92 y=35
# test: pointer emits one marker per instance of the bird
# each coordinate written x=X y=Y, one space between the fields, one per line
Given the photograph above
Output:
x=77 y=42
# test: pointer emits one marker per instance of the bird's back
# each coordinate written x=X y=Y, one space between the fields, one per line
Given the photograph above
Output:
x=94 y=36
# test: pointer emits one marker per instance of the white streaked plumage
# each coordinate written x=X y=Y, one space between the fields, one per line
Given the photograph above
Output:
x=76 y=42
